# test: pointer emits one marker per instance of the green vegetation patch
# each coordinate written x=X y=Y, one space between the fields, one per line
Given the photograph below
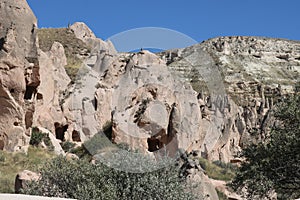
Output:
x=218 y=170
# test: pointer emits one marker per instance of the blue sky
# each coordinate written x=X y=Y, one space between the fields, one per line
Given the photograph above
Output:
x=198 y=19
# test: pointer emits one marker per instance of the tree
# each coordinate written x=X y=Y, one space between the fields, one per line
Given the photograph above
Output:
x=274 y=165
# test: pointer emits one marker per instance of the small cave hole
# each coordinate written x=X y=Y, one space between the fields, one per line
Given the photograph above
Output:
x=30 y=90
x=153 y=144
x=76 y=136
x=39 y=96
x=12 y=90
x=60 y=131
x=16 y=124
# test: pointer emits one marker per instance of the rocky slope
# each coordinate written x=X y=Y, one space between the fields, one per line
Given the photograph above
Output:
x=243 y=77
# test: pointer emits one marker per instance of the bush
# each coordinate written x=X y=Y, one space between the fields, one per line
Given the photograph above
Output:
x=38 y=137
x=68 y=146
x=82 y=180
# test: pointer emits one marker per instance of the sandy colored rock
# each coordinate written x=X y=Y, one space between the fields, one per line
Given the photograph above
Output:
x=54 y=82
x=19 y=72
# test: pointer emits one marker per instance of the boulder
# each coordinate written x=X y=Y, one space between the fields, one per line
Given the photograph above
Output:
x=23 y=178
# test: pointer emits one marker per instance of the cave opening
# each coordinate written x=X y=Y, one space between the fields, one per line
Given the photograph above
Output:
x=39 y=96
x=76 y=136
x=28 y=119
x=153 y=144
x=60 y=131
x=2 y=41
x=30 y=91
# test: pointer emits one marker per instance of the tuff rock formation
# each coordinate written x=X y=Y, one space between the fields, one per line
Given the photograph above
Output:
x=19 y=73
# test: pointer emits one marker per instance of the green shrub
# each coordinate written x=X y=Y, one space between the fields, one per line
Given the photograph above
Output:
x=38 y=137
x=2 y=157
x=82 y=180
x=67 y=146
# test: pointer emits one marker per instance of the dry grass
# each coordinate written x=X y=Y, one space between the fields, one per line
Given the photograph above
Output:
x=74 y=47
x=12 y=163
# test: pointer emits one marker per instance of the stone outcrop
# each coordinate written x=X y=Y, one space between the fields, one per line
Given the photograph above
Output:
x=19 y=73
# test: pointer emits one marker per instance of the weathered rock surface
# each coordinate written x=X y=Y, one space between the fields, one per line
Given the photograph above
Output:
x=54 y=81
x=200 y=183
x=19 y=74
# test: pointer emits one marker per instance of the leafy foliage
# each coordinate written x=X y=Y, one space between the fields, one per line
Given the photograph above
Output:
x=82 y=180
x=275 y=164
x=38 y=137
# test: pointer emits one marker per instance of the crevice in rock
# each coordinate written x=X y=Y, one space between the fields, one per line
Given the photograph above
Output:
x=60 y=131
x=1 y=144
x=3 y=139
x=153 y=144
x=95 y=103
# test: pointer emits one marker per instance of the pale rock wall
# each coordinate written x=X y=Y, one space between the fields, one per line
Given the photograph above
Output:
x=19 y=73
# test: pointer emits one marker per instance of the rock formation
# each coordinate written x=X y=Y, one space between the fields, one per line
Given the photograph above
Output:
x=19 y=71
x=24 y=178
x=238 y=79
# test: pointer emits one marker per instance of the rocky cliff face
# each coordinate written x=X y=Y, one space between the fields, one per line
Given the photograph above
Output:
x=238 y=79
x=19 y=70
x=215 y=97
